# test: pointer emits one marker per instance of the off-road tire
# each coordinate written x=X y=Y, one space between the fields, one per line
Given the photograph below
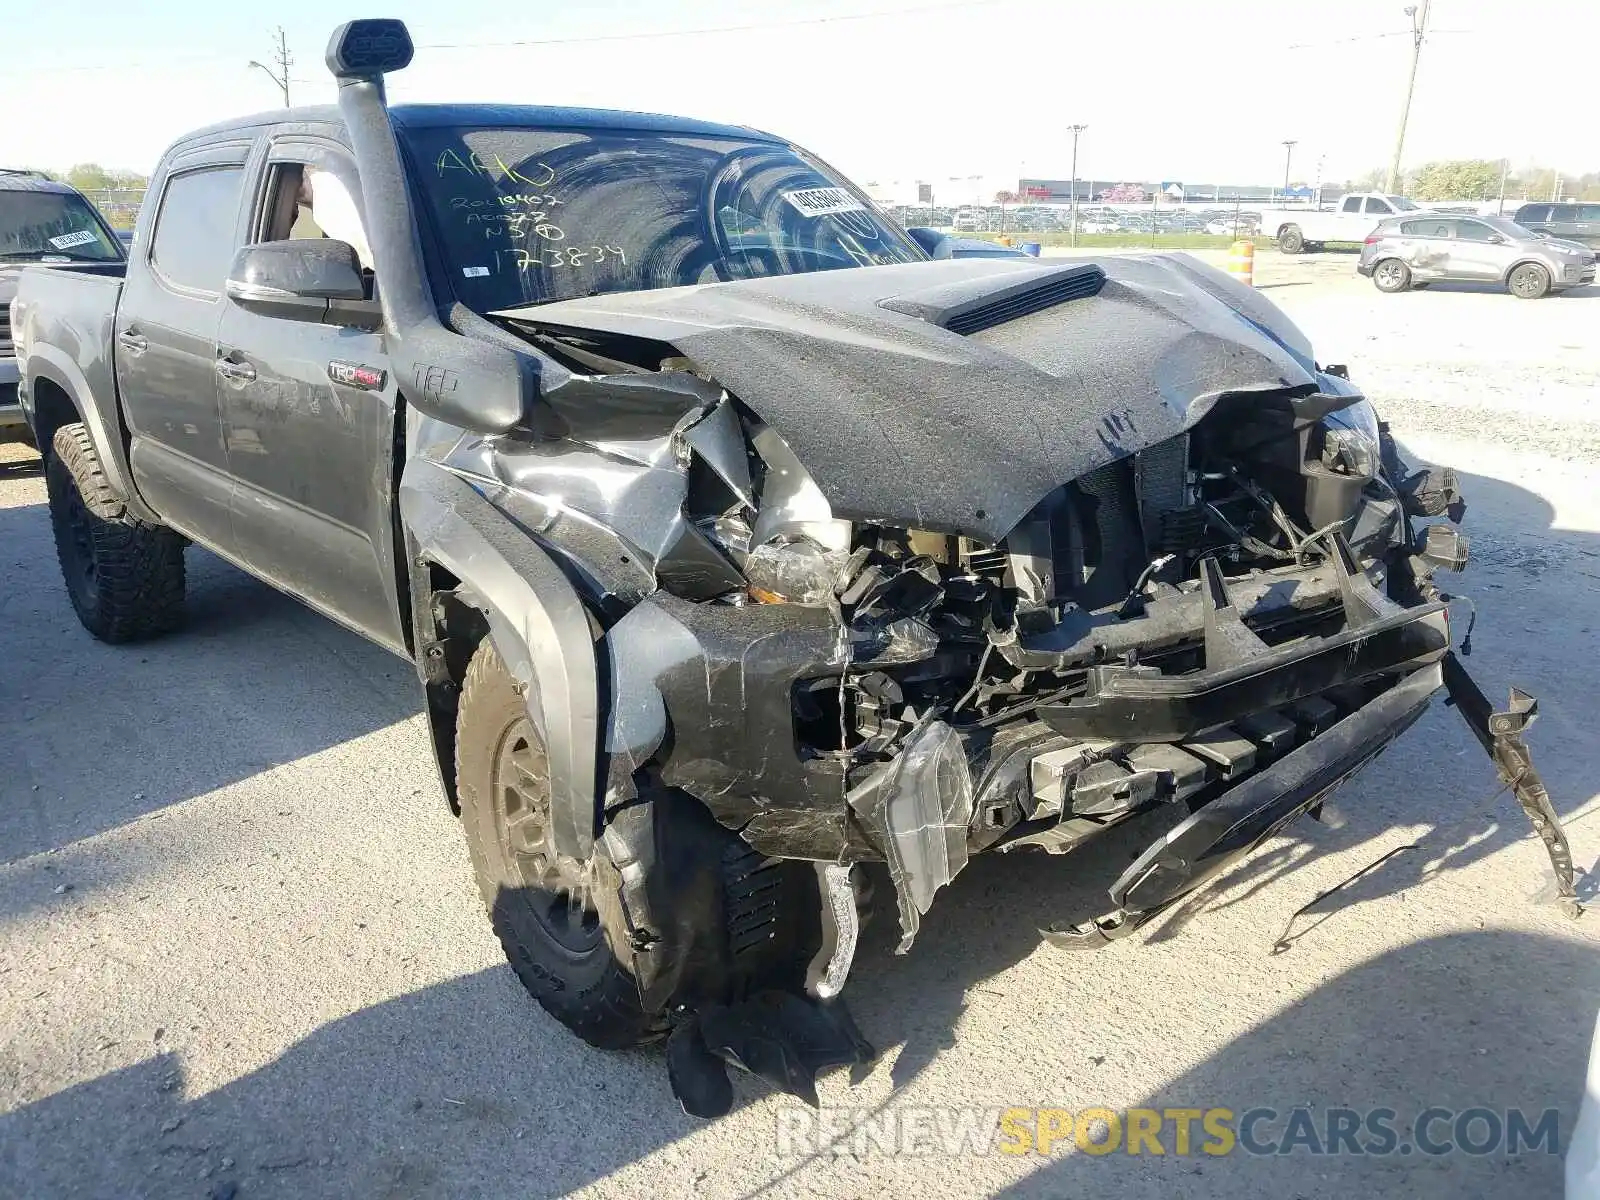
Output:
x=1291 y=240
x=1391 y=275
x=1528 y=281
x=125 y=578
x=734 y=921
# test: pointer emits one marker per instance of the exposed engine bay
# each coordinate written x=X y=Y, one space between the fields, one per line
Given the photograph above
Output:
x=997 y=562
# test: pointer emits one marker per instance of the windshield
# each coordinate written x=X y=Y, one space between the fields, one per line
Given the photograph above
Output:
x=528 y=216
x=52 y=227
x=1401 y=204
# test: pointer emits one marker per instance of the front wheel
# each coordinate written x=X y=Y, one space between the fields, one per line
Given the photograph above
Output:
x=671 y=910
x=125 y=578
x=1528 y=282
x=1391 y=275
x=1291 y=240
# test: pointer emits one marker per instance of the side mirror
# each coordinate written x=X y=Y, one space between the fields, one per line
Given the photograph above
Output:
x=304 y=279
x=1497 y=239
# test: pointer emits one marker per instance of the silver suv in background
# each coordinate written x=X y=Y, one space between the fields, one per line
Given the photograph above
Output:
x=1421 y=248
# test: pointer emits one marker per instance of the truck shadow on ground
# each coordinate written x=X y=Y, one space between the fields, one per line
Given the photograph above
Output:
x=461 y=1090
x=1454 y=1022
x=103 y=735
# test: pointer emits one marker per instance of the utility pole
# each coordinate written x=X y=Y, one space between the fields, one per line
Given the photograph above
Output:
x=283 y=59
x=1500 y=208
x=1555 y=192
x=1288 y=156
x=1419 y=25
x=1076 y=130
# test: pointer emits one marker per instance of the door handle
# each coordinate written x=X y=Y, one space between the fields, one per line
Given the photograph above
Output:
x=133 y=343
x=235 y=372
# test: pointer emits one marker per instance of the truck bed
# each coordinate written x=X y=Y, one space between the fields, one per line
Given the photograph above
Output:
x=65 y=316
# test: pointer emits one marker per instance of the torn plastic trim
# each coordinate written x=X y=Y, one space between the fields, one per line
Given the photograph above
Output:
x=921 y=810
x=841 y=930
x=538 y=624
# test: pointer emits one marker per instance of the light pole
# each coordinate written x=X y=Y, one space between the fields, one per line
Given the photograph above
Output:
x=1419 y=24
x=1076 y=130
x=280 y=76
x=1288 y=155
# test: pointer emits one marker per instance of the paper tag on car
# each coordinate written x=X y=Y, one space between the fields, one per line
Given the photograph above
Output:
x=475 y=272
x=820 y=202
x=67 y=241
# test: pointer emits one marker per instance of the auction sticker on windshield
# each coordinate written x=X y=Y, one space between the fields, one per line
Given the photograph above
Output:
x=67 y=241
x=819 y=202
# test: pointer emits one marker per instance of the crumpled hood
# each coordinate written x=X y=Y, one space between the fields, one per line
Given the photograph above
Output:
x=904 y=421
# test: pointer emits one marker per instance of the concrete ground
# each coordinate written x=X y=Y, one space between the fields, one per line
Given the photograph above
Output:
x=241 y=953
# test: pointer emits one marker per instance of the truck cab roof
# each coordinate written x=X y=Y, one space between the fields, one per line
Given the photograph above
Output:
x=21 y=180
x=423 y=116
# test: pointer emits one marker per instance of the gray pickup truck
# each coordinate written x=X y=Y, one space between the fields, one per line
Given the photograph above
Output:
x=42 y=221
x=739 y=541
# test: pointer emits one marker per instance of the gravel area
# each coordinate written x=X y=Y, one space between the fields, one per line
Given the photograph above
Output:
x=241 y=954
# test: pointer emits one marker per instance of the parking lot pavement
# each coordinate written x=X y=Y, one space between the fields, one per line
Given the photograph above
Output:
x=240 y=948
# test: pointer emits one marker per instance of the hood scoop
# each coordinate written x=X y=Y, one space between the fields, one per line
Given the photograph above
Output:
x=967 y=314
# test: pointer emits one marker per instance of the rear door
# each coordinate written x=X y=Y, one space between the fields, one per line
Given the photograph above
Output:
x=164 y=340
x=308 y=413
x=1428 y=245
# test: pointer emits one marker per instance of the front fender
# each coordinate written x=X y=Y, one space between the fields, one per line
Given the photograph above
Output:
x=536 y=620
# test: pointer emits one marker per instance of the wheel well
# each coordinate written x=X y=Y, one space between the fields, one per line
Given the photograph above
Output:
x=52 y=408
x=1526 y=262
x=1287 y=225
x=448 y=632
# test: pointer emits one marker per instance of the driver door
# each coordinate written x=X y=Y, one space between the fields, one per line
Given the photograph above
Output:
x=312 y=456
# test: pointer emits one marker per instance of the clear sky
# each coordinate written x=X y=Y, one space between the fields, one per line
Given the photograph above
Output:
x=1170 y=89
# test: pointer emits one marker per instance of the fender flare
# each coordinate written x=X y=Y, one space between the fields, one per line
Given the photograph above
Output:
x=537 y=622
x=46 y=362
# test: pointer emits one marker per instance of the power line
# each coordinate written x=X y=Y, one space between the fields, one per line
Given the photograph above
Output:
x=168 y=63
x=677 y=33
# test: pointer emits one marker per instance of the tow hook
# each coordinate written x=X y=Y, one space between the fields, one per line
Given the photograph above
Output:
x=1500 y=734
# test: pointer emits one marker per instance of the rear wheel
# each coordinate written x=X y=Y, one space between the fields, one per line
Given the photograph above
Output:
x=125 y=578
x=1391 y=275
x=1291 y=240
x=1528 y=281
x=669 y=910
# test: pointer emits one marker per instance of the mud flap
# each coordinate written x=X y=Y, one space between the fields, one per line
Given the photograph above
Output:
x=1500 y=734
x=782 y=1037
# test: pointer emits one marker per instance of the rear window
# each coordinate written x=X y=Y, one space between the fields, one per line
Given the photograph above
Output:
x=194 y=239
x=1432 y=228
x=1563 y=212
x=39 y=226
x=1533 y=212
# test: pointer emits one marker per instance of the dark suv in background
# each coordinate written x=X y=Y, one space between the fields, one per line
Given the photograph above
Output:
x=41 y=221
x=1575 y=222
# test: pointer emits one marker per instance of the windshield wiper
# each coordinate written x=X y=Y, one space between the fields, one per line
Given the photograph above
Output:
x=37 y=255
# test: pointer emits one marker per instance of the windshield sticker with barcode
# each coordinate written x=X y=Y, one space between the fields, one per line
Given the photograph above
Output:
x=475 y=272
x=68 y=240
x=820 y=202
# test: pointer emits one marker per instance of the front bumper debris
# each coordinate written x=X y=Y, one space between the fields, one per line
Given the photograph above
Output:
x=1226 y=830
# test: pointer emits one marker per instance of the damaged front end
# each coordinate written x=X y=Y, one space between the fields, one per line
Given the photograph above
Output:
x=1228 y=610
